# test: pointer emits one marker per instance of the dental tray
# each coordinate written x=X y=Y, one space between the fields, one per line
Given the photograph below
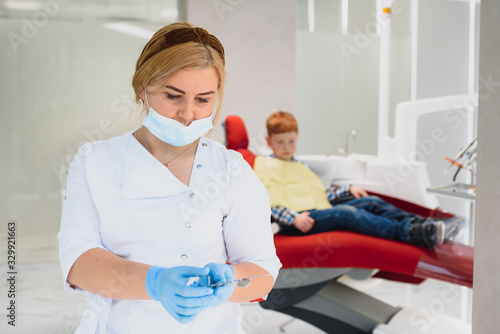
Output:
x=461 y=190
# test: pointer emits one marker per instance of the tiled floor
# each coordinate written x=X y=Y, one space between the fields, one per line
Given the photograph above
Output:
x=43 y=306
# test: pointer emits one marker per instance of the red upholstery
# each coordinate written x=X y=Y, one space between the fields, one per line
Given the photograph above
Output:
x=396 y=260
x=344 y=249
x=236 y=132
x=237 y=137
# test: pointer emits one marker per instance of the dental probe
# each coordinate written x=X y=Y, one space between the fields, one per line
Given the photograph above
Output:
x=242 y=282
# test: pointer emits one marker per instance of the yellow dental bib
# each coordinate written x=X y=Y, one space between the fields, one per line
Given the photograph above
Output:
x=291 y=184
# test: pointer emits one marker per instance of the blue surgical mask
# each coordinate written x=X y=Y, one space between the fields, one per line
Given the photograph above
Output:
x=174 y=133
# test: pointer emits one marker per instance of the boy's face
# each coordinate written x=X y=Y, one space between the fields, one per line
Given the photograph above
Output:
x=283 y=144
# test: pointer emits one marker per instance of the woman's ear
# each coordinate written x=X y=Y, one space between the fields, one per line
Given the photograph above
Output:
x=141 y=95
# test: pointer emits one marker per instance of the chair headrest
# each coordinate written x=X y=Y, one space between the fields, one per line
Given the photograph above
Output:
x=236 y=132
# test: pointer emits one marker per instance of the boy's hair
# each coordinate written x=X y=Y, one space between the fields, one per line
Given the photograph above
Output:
x=281 y=122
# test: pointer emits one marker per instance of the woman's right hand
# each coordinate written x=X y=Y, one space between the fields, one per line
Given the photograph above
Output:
x=170 y=287
x=303 y=222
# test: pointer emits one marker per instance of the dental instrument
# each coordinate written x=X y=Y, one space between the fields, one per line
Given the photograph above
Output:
x=241 y=282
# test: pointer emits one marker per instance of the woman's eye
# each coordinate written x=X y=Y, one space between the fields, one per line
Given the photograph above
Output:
x=203 y=100
x=173 y=97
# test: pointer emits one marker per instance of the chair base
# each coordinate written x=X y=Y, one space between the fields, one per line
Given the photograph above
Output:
x=332 y=307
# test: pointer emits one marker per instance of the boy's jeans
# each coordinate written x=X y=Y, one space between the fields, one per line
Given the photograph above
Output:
x=368 y=215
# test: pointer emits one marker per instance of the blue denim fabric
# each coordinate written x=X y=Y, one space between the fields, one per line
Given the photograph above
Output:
x=368 y=215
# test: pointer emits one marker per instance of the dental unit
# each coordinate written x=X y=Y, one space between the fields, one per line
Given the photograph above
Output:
x=308 y=284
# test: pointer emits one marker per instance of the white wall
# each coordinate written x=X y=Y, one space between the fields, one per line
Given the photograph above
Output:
x=442 y=41
x=68 y=81
x=338 y=73
x=486 y=306
x=338 y=67
x=444 y=65
x=64 y=81
x=259 y=39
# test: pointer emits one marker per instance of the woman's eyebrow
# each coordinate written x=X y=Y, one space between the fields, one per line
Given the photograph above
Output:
x=207 y=93
x=176 y=89
x=183 y=92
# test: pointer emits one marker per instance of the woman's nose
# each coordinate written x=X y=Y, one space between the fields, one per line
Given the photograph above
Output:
x=186 y=112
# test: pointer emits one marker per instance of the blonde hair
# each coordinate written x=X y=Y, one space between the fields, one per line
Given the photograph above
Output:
x=176 y=47
x=281 y=122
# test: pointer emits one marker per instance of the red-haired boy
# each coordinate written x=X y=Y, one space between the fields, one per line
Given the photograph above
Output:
x=301 y=206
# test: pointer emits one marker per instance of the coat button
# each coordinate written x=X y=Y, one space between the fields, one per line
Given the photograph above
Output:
x=188 y=224
x=204 y=144
x=184 y=256
x=199 y=165
x=191 y=195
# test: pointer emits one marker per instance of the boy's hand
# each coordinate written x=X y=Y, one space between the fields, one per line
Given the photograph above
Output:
x=303 y=222
x=358 y=192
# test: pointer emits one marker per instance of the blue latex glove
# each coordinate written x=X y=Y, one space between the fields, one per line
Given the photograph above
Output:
x=220 y=273
x=169 y=287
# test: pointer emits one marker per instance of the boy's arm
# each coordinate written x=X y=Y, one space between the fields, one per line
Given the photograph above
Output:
x=282 y=215
x=285 y=216
x=337 y=193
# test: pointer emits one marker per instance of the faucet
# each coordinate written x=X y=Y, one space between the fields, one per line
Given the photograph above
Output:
x=344 y=151
x=337 y=151
x=349 y=133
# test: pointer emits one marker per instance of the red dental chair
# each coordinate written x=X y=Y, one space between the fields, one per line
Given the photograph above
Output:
x=307 y=286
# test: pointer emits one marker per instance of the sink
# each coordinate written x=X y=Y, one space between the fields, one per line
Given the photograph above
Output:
x=337 y=167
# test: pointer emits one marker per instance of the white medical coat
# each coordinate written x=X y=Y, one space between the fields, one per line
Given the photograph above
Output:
x=120 y=198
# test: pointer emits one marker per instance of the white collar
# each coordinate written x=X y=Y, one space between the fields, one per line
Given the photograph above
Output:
x=144 y=176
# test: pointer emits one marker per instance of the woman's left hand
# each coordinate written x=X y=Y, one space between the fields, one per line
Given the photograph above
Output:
x=358 y=192
x=221 y=273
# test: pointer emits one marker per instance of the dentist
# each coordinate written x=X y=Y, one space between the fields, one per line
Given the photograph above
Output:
x=153 y=218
